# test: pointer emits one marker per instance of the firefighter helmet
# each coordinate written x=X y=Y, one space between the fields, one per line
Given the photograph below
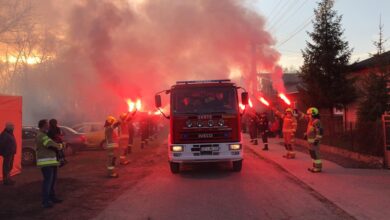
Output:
x=312 y=111
x=123 y=116
x=110 y=120
x=289 y=110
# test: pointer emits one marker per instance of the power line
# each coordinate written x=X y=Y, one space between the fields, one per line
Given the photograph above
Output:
x=274 y=8
x=283 y=14
x=291 y=15
x=278 y=14
x=298 y=30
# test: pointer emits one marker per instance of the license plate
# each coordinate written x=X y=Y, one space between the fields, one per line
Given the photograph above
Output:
x=209 y=148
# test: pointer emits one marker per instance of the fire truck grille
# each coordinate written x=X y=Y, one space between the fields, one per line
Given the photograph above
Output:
x=205 y=149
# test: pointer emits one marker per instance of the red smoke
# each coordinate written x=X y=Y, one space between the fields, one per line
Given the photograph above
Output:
x=117 y=50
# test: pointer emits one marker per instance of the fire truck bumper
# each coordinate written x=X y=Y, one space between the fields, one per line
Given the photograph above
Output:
x=205 y=152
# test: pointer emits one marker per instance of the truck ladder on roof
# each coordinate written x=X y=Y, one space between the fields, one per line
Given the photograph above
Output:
x=203 y=81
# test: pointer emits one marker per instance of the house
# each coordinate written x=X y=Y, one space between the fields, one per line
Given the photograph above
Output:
x=291 y=82
x=359 y=70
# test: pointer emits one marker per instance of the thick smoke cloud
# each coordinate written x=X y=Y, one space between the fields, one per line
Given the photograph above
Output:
x=129 y=49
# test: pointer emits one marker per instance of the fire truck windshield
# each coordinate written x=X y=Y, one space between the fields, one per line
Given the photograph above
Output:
x=204 y=100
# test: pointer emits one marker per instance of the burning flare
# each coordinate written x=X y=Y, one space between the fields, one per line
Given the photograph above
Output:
x=242 y=106
x=265 y=102
x=284 y=98
x=138 y=104
x=250 y=103
x=131 y=105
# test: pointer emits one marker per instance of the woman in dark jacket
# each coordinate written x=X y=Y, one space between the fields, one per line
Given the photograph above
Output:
x=8 y=151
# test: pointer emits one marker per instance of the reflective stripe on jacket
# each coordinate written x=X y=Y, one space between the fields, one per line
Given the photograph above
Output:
x=314 y=130
x=46 y=155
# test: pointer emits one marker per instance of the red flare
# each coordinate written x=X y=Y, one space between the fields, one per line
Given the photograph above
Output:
x=138 y=105
x=242 y=107
x=131 y=105
x=250 y=103
x=284 y=98
x=265 y=102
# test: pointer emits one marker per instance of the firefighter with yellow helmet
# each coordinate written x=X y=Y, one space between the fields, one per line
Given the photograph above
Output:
x=289 y=129
x=126 y=136
x=314 y=134
x=111 y=145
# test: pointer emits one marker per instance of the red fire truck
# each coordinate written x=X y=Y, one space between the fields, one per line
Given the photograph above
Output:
x=204 y=122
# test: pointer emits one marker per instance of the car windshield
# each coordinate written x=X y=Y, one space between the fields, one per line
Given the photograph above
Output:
x=204 y=100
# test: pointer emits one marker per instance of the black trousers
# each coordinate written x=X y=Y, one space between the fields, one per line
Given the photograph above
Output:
x=49 y=182
x=8 y=163
x=264 y=136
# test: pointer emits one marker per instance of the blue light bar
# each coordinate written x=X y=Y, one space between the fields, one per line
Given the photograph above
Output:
x=203 y=81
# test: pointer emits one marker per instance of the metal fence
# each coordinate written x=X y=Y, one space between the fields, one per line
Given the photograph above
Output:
x=362 y=137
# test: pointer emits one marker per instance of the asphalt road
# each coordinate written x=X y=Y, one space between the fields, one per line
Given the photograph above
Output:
x=212 y=191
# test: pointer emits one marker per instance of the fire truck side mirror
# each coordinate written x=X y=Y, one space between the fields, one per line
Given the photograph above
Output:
x=157 y=100
x=244 y=98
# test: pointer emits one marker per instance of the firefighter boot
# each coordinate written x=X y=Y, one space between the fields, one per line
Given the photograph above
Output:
x=317 y=166
x=265 y=147
x=111 y=167
x=123 y=160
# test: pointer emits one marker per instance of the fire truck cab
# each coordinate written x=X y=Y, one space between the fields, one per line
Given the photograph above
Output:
x=205 y=123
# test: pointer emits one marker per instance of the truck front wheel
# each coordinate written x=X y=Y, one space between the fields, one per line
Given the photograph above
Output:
x=237 y=166
x=175 y=167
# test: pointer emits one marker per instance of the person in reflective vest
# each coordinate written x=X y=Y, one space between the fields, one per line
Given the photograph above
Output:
x=111 y=145
x=289 y=128
x=48 y=162
x=313 y=135
x=126 y=136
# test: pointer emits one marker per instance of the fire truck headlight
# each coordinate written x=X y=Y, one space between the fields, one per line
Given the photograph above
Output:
x=199 y=123
x=189 y=123
x=221 y=122
x=235 y=146
x=177 y=148
x=211 y=123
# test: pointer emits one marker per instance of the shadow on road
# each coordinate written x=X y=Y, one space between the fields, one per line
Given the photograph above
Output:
x=207 y=171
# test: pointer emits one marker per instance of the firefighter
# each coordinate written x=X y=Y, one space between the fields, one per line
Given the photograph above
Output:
x=264 y=129
x=288 y=129
x=313 y=135
x=253 y=128
x=126 y=136
x=48 y=162
x=144 y=131
x=111 y=140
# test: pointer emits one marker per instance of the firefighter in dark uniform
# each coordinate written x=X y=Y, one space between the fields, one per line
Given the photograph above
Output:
x=253 y=129
x=264 y=129
x=144 y=130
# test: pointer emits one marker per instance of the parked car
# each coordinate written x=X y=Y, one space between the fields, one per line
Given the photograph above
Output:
x=94 y=133
x=73 y=142
x=28 y=145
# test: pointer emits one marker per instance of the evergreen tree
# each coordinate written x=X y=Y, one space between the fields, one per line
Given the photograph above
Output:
x=326 y=57
x=375 y=94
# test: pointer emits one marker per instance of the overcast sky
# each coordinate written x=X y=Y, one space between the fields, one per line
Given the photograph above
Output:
x=289 y=20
